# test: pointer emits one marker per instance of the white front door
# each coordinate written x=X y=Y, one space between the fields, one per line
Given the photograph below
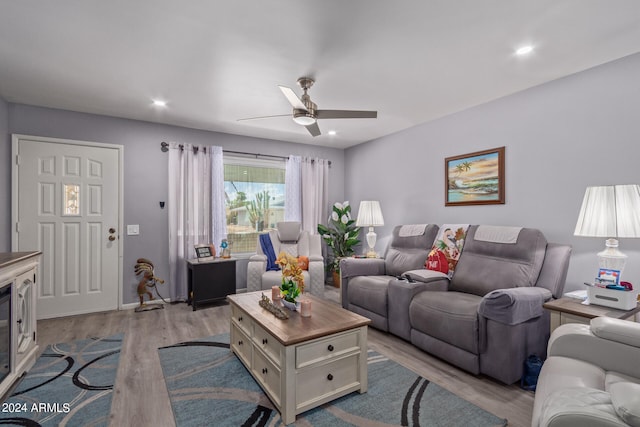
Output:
x=66 y=197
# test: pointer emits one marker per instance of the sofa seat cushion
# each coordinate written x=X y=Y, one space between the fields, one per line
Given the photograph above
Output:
x=451 y=317
x=370 y=293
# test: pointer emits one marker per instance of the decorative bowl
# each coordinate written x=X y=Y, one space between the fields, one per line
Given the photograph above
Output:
x=291 y=306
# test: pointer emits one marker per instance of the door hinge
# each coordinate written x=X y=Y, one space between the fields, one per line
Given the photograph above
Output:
x=17 y=159
x=17 y=227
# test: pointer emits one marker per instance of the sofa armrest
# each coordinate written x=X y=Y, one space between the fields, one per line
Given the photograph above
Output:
x=401 y=292
x=554 y=268
x=255 y=269
x=316 y=275
x=513 y=306
x=351 y=267
x=579 y=341
x=313 y=258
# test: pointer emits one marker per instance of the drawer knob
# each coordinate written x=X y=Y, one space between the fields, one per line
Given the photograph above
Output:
x=264 y=341
x=264 y=370
x=330 y=348
x=330 y=377
x=240 y=342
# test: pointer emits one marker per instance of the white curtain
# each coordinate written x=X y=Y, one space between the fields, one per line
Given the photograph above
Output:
x=315 y=189
x=218 y=212
x=293 y=189
x=189 y=210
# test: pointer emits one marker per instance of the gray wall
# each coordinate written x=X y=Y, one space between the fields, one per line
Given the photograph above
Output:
x=560 y=137
x=145 y=172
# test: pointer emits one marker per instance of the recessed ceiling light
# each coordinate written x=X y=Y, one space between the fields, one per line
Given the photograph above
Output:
x=524 y=50
x=331 y=132
x=159 y=103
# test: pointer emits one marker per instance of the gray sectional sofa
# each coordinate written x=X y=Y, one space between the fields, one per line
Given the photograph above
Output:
x=486 y=319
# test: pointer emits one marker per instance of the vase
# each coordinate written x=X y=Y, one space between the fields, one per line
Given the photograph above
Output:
x=336 y=279
x=290 y=305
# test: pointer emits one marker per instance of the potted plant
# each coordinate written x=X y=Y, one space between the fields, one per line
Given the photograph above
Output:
x=292 y=280
x=341 y=235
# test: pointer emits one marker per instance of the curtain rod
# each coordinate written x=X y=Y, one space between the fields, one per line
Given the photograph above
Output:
x=164 y=147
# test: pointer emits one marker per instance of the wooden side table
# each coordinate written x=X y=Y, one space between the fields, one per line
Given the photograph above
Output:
x=571 y=310
x=210 y=281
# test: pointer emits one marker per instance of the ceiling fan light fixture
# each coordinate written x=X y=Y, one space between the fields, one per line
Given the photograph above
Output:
x=303 y=118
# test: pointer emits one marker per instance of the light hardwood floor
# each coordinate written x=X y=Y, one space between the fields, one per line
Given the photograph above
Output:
x=140 y=395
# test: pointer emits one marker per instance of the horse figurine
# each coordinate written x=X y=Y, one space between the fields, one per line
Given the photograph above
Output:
x=144 y=267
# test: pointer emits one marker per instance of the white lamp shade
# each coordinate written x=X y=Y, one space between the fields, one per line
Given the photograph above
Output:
x=610 y=211
x=369 y=214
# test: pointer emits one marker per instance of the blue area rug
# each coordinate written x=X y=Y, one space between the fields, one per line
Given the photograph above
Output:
x=209 y=386
x=70 y=384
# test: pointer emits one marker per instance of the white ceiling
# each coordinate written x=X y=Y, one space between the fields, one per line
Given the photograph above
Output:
x=217 y=61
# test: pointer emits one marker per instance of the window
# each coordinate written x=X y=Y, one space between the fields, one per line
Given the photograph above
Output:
x=254 y=196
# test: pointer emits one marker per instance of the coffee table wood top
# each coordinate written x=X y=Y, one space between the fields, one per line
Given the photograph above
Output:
x=326 y=319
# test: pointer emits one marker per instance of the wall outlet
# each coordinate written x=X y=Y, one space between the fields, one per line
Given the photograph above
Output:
x=133 y=230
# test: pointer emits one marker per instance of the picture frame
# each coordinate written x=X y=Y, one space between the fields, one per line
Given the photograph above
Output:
x=475 y=178
x=203 y=252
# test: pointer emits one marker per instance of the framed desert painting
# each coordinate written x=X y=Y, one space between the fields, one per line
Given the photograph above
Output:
x=475 y=178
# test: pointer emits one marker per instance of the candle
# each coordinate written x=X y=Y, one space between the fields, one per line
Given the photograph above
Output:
x=275 y=293
x=305 y=308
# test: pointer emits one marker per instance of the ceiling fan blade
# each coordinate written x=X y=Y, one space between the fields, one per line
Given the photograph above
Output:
x=292 y=98
x=263 y=117
x=313 y=129
x=346 y=114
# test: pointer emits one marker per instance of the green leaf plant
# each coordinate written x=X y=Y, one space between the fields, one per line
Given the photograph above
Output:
x=340 y=235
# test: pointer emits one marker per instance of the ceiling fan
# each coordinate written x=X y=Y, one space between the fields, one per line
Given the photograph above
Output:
x=306 y=113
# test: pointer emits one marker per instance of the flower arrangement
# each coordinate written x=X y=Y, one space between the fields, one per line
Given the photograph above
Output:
x=292 y=279
x=341 y=234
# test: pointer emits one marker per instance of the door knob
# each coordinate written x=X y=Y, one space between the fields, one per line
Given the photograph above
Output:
x=112 y=238
x=112 y=230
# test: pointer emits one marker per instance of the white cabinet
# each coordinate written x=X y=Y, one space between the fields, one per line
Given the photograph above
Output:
x=18 y=340
x=301 y=375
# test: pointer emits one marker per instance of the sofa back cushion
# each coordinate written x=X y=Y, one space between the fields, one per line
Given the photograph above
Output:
x=409 y=248
x=485 y=266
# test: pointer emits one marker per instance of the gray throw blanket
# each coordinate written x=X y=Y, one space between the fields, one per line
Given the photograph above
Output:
x=514 y=305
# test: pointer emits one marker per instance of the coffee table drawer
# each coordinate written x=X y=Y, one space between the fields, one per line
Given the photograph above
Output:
x=267 y=374
x=267 y=343
x=241 y=319
x=241 y=344
x=321 y=381
x=335 y=346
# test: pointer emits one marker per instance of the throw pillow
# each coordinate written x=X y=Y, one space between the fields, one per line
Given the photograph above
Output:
x=303 y=262
x=447 y=248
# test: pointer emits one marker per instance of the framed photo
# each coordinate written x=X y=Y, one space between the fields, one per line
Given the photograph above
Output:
x=203 y=252
x=475 y=178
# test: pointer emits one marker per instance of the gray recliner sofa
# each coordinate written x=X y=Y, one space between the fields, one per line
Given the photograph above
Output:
x=364 y=282
x=488 y=317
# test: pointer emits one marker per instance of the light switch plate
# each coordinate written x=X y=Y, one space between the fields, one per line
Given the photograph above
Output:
x=133 y=230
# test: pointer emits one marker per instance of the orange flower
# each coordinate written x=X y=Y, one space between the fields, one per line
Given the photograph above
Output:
x=290 y=269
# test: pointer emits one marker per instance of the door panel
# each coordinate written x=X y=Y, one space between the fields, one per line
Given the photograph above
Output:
x=68 y=199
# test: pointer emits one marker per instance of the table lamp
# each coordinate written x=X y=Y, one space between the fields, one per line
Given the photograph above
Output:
x=611 y=211
x=370 y=215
